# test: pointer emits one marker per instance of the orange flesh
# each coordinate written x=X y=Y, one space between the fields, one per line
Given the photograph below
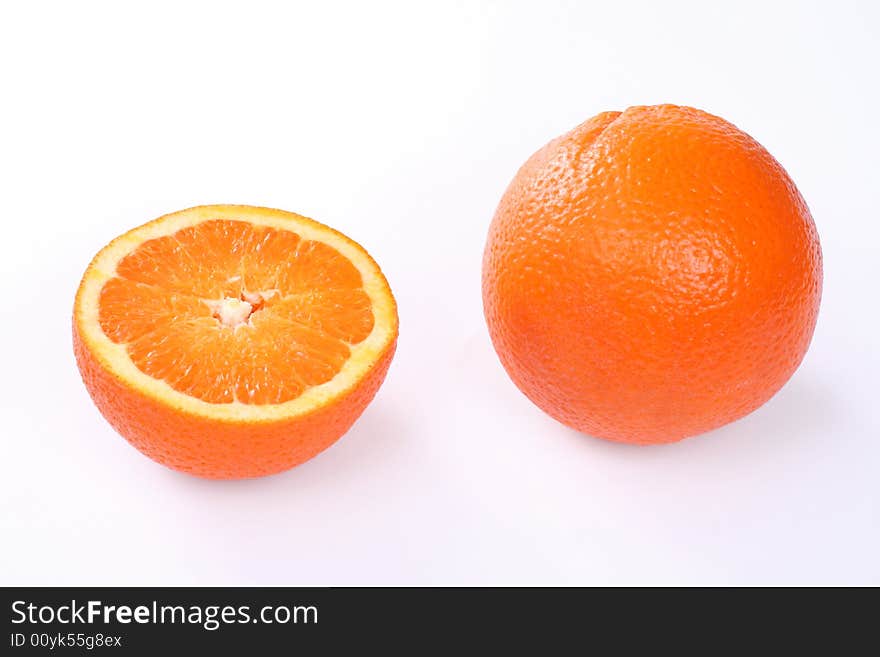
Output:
x=229 y=311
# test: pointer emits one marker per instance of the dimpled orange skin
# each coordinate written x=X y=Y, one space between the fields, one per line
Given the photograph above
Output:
x=651 y=275
x=215 y=449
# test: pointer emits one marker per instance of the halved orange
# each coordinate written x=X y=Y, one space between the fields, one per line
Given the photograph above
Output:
x=233 y=341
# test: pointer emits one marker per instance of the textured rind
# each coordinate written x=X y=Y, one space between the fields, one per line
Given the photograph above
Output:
x=651 y=275
x=218 y=449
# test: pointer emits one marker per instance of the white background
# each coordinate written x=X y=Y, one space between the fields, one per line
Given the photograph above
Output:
x=401 y=125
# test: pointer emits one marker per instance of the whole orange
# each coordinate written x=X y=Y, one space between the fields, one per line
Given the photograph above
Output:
x=651 y=275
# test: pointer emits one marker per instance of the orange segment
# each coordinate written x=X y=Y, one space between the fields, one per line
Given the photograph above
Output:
x=129 y=310
x=233 y=315
x=339 y=313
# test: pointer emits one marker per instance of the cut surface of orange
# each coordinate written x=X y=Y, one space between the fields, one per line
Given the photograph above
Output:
x=233 y=341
